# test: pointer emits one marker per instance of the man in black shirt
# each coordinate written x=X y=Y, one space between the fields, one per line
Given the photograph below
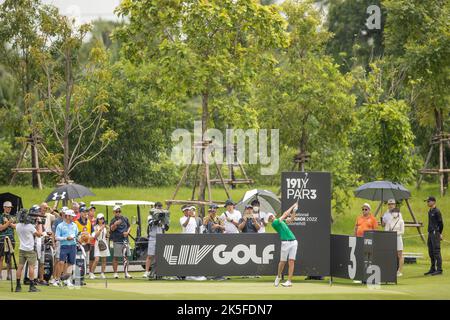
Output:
x=120 y=229
x=435 y=227
x=248 y=222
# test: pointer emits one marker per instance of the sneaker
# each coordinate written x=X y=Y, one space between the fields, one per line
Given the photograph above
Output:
x=116 y=275
x=69 y=283
x=55 y=283
x=437 y=273
x=399 y=274
x=429 y=272
x=277 y=282
x=357 y=281
x=287 y=284
x=145 y=275
x=18 y=288
x=92 y=276
x=102 y=275
x=33 y=289
x=52 y=281
x=42 y=283
x=128 y=276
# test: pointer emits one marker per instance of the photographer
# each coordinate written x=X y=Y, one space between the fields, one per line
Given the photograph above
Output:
x=187 y=221
x=212 y=223
x=231 y=217
x=248 y=223
x=27 y=232
x=157 y=224
x=7 y=226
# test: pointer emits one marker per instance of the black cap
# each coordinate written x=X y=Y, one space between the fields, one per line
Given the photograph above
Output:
x=158 y=205
x=92 y=207
x=248 y=206
x=228 y=202
x=255 y=202
x=83 y=209
x=431 y=198
x=213 y=206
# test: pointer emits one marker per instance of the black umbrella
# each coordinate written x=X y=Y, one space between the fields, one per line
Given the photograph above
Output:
x=69 y=191
x=382 y=191
x=15 y=200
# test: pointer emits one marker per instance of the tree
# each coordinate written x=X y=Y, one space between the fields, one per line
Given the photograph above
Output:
x=206 y=49
x=306 y=96
x=73 y=97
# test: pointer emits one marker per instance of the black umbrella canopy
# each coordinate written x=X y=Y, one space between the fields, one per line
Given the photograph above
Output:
x=14 y=199
x=382 y=191
x=69 y=191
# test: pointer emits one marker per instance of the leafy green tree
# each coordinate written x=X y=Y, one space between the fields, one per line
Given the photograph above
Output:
x=206 y=49
x=307 y=97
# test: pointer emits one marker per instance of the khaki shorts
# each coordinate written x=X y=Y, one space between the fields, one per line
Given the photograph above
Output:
x=27 y=256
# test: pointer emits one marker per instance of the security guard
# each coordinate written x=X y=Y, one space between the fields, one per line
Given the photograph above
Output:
x=435 y=227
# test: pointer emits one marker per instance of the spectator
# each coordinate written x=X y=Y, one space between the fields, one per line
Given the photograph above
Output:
x=248 y=223
x=7 y=227
x=101 y=248
x=397 y=224
x=187 y=221
x=231 y=217
x=85 y=230
x=212 y=223
x=49 y=217
x=66 y=234
x=158 y=205
x=365 y=222
x=93 y=220
x=261 y=216
x=27 y=233
x=120 y=229
x=57 y=245
x=387 y=216
x=199 y=228
x=76 y=210
x=155 y=226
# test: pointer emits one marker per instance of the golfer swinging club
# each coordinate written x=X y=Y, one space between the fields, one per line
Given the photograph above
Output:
x=288 y=244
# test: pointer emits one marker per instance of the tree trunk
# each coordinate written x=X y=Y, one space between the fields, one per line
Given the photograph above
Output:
x=303 y=147
x=203 y=171
x=68 y=72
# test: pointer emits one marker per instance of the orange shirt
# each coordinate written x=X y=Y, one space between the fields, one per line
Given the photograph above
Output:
x=364 y=224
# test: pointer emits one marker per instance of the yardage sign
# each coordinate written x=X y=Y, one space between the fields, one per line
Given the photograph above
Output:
x=312 y=227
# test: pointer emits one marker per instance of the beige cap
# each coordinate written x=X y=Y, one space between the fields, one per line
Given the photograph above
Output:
x=7 y=204
x=391 y=201
x=367 y=205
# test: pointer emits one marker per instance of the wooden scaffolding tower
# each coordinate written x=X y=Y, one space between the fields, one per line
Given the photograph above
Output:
x=440 y=140
x=34 y=144
x=202 y=179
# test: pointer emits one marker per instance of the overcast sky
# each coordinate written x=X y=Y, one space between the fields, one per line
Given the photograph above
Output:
x=87 y=10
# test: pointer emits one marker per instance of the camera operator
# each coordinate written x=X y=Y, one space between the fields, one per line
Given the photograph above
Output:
x=248 y=223
x=212 y=223
x=27 y=232
x=157 y=223
x=7 y=226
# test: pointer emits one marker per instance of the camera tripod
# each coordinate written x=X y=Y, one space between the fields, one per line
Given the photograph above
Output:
x=9 y=252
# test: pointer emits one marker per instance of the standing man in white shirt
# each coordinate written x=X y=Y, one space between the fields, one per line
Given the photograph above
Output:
x=187 y=222
x=231 y=217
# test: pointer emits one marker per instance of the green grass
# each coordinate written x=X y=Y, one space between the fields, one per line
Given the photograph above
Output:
x=412 y=286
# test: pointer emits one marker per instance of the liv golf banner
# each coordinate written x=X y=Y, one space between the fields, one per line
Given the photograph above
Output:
x=217 y=254
x=312 y=226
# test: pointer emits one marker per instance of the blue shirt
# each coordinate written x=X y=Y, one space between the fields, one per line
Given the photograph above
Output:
x=64 y=230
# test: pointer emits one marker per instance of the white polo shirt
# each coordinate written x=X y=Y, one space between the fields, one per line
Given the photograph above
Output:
x=190 y=227
x=235 y=216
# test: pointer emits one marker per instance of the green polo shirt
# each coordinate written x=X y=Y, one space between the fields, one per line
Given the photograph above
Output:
x=283 y=230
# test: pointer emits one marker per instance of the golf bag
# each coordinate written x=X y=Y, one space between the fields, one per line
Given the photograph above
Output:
x=49 y=255
x=80 y=267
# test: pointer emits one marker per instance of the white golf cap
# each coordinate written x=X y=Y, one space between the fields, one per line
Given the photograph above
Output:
x=100 y=215
x=116 y=207
x=64 y=209
x=69 y=212
x=367 y=205
x=391 y=201
x=192 y=208
x=7 y=204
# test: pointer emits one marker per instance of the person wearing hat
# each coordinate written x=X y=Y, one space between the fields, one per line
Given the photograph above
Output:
x=120 y=229
x=7 y=226
x=366 y=221
x=396 y=224
x=212 y=223
x=93 y=220
x=66 y=234
x=231 y=217
x=248 y=223
x=187 y=221
x=101 y=248
x=387 y=216
x=57 y=244
x=261 y=216
x=158 y=205
x=435 y=228
x=155 y=226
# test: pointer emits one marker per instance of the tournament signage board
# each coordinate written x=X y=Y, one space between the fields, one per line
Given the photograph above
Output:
x=217 y=254
x=312 y=226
